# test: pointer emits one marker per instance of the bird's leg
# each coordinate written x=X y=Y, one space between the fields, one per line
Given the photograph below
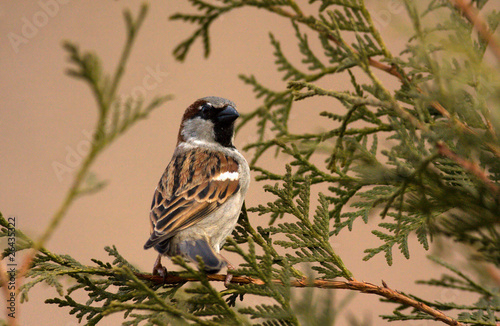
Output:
x=159 y=269
x=229 y=276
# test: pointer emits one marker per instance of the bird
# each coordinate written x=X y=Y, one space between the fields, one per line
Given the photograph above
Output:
x=199 y=197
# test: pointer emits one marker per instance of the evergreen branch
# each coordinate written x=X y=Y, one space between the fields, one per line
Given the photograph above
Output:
x=398 y=73
x=342 y=96
x=310 y=57
x=470 y=166
x=295 y=153
x=312 y=237
x=463 y=127
x=353 y=285
x=104 y=104
x=127 y=277
x=473 y=285
x=481 y=313
x=424 y=183
x=89 y=69
x=209 y=295
x=95 y=280
x=283 y=64
x=257 y=237
x=341 y=131
x=438 y=106
x=442 y=147
x=392 y=69
x=479 y=24
x=132 y=29
x=205 y=21
x=161 y=301
x=299 y=17
x=434 y=103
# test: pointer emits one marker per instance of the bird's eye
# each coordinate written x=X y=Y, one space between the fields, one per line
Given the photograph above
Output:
x=205 y=110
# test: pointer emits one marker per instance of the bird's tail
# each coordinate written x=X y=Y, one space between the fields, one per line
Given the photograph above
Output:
x=212 y=261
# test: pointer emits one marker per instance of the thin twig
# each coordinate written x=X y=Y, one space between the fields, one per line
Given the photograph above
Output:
x=392 y=70
x=479 y=24
x=472 y=167
x=353 y=285
x=104 y=104
x=59 y=215
x=374 y=63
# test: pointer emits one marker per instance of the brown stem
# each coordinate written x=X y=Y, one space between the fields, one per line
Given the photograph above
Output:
x=353 y=285
x=388 y=69
x=472 y=167
x=374 y=63
x=479 y=24
x=392 y=69
x=472 y=15
x=436 y=105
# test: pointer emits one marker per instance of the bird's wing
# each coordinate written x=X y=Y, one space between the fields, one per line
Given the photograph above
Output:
x=194 y=184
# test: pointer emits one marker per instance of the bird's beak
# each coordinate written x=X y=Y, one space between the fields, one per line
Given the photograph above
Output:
x=228 y=115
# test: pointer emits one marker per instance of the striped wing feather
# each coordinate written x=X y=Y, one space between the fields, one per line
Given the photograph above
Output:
x=189 y=190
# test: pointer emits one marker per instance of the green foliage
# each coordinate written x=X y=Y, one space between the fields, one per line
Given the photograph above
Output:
x=115 y=115
x=409 y=179
x=311 y=238
x=423 y=156
x=115 y=288
x=118 y=287
x=481 y=312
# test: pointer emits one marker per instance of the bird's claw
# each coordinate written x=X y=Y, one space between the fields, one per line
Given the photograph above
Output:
x=228 y=279
x=229 y=276
x=159 y=269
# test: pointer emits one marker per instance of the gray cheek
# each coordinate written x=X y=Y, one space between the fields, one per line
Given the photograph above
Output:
x=199 y=129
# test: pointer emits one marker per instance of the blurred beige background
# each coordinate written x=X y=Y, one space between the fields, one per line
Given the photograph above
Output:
x=45 y=116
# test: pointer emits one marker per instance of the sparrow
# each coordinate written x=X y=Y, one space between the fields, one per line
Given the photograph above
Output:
x=199 y=197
